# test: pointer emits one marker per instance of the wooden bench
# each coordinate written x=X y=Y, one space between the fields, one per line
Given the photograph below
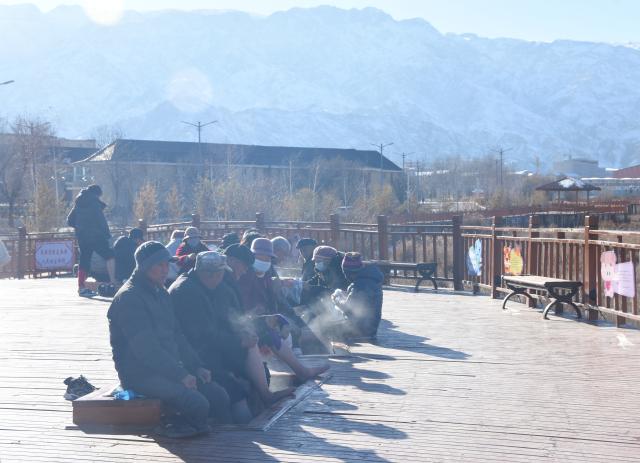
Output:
x=101 y=408
x=425 y=270
x=560 y=291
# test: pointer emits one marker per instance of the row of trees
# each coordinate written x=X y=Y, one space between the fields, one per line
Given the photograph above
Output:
x=31 y=186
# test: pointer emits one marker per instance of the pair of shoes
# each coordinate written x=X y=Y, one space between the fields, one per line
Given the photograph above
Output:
x=86 y=292
x=180 y=430
x=77 y=387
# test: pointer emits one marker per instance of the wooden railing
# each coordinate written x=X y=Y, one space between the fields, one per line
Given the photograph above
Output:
x=567 y=253
x=379 y=241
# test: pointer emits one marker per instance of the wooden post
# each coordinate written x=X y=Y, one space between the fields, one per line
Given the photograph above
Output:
x=383 y=238
x=334 y=220
x=590 y=266
x=260 y=221
x=195 y=220
x=21 y=268
x=142 y=225
x=497 y=260
x=532 y=251
x=458 y=252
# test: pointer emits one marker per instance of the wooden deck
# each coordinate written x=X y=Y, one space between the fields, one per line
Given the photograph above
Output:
x=454 y=379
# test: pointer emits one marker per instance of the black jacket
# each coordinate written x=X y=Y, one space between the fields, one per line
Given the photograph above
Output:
x=205 y=317
x=145 y=336
x=87 y=217
x=308 y=270
x=326 y=282
x=124 y=249
x=363 y=305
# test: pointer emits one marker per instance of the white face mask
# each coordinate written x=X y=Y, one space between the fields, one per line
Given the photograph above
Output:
x=261 y=266
x=321 y=266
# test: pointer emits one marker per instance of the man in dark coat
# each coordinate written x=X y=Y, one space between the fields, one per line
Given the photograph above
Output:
x=362 y=304
x=124 y=249
x=92 y=232
x=204 y=314
x=152 y=356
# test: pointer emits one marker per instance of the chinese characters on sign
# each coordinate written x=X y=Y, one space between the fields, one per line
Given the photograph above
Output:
x=54 y=255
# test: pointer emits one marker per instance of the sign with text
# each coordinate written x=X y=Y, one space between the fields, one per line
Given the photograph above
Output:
x=54 y=255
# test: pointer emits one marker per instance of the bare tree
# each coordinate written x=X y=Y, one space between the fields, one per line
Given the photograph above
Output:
x=106 y=134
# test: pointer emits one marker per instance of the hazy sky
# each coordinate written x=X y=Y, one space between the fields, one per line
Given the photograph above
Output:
x=594 y=20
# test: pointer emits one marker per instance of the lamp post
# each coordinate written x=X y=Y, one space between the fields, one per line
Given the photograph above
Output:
x=198 y=125
x=7 y=82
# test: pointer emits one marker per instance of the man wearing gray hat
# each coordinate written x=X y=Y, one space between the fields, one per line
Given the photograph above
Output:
x=209 y=327
x=152 y=356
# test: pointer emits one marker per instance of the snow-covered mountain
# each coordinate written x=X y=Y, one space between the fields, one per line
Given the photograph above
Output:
x=321 y=77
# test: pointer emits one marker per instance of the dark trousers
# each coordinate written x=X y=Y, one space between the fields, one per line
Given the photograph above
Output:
x=194 y=406
x=88 y=246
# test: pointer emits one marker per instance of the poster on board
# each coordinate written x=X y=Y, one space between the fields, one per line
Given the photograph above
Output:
x=513 y=263
x=54 y=255
x=474 y=259
x=617 y=278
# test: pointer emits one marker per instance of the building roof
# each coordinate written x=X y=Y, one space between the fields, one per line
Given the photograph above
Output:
x=568 y=184
x=154 y=151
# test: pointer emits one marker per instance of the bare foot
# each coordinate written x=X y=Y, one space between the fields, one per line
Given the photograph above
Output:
x=313 y=372
x=274 y=397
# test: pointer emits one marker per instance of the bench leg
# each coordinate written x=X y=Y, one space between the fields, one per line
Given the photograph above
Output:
x=510 y=295
x=417 y=288
x=575 y=307
x=435 y=283
x=548 y=308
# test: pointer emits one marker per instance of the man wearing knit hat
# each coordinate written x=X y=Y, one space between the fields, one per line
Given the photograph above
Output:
x=328 y=275
x=363 y=302
x=152 y=356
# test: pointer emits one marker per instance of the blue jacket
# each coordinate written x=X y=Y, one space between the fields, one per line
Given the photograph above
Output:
x=363 y=305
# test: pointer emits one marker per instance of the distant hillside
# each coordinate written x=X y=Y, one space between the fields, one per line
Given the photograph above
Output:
x=322 y=77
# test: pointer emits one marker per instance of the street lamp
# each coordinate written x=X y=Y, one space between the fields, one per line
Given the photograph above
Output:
x=7 y=82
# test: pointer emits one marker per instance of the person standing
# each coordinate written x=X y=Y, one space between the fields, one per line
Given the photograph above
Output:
x=92 y=232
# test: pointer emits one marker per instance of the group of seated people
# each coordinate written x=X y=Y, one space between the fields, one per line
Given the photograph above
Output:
x=193 y=326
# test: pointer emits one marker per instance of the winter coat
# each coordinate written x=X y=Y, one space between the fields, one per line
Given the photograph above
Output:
x=146 y=338
x=206 y=318
x=124 y=250
x=257 y=295
x=363 y=305
x=184 y=251
x=333 y=278
x=308 y=270
x=87 y=217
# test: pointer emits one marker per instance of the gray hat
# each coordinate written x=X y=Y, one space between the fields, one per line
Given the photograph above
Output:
x=211 y=261
x=191 y=232
x=151 y=253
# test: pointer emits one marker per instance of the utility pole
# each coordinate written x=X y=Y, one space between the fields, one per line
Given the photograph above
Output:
x=381 y=147
x=7 y=82
x=199 y=126
x=404 y=156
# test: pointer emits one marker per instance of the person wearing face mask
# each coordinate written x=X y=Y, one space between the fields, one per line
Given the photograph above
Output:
x=259 y=301
x=328 y=275
x=189 y=249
